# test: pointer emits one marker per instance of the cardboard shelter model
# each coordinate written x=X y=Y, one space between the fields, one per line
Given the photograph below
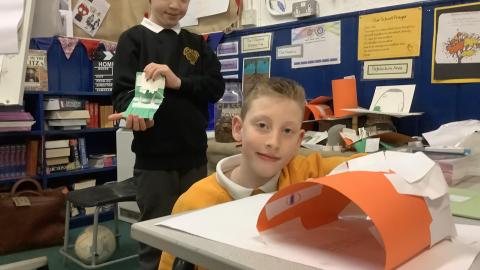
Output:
x=403 y=197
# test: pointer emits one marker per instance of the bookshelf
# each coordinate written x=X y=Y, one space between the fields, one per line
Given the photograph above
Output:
x=98 y=140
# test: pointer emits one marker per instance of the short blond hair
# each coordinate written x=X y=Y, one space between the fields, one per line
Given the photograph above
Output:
x=275 y=87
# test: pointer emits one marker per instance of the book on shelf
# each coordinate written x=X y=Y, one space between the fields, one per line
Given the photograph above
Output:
x=56 y=161
x=16 y=121
x=32 y=157
x=57 y=152
x=82 y=151
x=105 y=111
x=56 y=144
x=67 y=122
x=74 y=114
x=102 y=160
x=13 y=160
x=62 y=103
x=36 y=73
x=74 y=155
x=61 y=168
x=92 y=108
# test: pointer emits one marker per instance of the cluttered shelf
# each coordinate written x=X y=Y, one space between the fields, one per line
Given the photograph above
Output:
x=69 y=93
x=80 y=131
x=20 y=133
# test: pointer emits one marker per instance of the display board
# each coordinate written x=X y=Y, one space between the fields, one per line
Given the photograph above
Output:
x=441 y=103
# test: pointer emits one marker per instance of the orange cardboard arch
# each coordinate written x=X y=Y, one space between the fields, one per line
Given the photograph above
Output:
x=403 y=221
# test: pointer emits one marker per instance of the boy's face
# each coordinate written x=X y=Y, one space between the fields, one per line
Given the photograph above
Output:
x=167 y=13
x=270 y=135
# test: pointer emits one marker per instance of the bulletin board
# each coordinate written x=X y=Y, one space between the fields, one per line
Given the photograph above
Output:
x=441 y=103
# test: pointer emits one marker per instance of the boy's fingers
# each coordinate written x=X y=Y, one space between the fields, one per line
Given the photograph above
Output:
x=136 y=125
x=142 y=124
x=129 y=122
x=115 y=116
x=149 y=123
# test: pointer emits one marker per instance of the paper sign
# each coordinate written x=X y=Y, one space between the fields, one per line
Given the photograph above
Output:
x=388 y=69
x=148 y=97
x=257 y=42
x=230 y=64
x=227 y=48
x=289 y=51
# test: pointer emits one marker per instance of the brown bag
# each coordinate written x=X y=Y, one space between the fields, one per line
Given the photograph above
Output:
x=31 y=218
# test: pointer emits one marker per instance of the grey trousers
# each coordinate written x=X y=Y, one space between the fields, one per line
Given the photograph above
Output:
x=157 y=192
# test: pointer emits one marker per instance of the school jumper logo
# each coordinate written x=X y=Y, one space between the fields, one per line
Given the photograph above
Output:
x=191 y=55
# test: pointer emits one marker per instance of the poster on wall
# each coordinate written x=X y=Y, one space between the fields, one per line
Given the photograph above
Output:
x=255 y=69
x=89 y=15
x=391 y=34
x=456 y=44
x=325 y=36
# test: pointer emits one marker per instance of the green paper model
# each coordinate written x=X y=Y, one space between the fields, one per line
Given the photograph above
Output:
x=148 y=97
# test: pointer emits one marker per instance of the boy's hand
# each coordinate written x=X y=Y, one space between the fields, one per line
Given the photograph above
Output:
x=153 y=71
x=133 y=122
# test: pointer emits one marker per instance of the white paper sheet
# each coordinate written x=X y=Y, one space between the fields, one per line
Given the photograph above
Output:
x=412 y=167
x=452 y=133
x=218 y=222
x=191 y=17
x=11 y=16
x=397 y=114
x=326 y=36
x=210 y=7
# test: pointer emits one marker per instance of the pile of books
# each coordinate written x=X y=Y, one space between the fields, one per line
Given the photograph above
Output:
x=65 y=155
x=65 y=113
x=74 y=113
x=16 y=121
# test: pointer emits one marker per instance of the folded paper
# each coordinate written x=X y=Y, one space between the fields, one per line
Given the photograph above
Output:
x=406 y=212
x=149 y=96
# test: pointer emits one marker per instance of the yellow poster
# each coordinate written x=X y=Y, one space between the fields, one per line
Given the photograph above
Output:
x=391 y=34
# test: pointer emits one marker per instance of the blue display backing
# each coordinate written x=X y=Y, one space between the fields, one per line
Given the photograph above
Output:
x=441 y=103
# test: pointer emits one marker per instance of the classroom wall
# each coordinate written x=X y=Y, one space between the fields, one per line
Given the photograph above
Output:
x=441 y=103
x=325 y=8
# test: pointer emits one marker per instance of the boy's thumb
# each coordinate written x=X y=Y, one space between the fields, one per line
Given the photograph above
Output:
x=115 y=116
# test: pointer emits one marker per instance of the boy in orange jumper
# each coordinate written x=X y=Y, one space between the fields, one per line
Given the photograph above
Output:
x=269 y=128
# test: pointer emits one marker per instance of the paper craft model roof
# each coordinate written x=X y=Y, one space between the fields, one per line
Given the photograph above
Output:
x=407 y=224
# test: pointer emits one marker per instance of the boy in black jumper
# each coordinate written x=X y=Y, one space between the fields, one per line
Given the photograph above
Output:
x=170 y=150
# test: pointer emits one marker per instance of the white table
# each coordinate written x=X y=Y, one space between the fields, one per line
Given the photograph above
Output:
x=215 y=255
